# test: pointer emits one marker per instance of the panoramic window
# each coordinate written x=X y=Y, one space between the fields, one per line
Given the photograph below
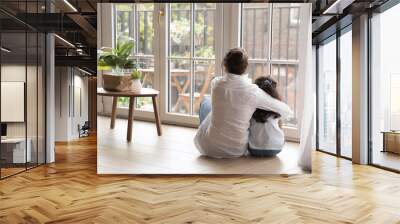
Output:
x=269 y=32
x=385 y=89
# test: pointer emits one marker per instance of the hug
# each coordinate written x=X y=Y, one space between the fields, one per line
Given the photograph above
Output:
x=241 y=117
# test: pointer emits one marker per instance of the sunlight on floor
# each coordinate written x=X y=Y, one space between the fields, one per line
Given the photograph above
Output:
x=386 y=159
x=175 y=153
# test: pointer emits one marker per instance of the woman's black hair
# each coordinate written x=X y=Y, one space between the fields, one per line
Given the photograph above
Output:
x=267 y=84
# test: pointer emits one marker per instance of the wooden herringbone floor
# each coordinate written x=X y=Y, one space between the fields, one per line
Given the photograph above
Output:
x=70 y=191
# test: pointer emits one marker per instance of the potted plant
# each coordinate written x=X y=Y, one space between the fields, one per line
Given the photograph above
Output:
x=119 y=66
x=136 y=85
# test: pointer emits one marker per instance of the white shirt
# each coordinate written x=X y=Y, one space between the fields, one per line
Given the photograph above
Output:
x=266 y=135
x=225 y=131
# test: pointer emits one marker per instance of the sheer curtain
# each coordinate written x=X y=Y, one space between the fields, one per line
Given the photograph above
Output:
x=306 y=84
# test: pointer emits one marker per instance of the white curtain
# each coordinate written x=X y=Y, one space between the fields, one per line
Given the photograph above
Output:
x=306 y=87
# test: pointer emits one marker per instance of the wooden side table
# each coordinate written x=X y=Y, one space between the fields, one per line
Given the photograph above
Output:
x=145 y=92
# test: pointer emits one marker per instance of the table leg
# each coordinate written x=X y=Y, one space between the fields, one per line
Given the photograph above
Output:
x=130 y=118
x=113 y=112
x=157 y=116
x=187 y=105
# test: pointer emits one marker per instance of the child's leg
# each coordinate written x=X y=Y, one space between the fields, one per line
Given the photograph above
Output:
x=264 y=152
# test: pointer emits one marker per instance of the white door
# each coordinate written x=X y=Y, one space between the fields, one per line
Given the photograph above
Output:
x=175 y=48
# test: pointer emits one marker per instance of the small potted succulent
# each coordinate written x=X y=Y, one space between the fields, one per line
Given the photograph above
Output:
x=136 y=85
x=119 y=67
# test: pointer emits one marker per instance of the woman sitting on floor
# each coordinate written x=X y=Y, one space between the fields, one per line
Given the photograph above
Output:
x=225 y=119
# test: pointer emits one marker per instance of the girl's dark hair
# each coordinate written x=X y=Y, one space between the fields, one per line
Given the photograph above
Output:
x=267 y=84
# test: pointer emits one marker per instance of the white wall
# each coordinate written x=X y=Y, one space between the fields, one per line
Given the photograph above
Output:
x=105 y=38
x=71 y=102
x=61 y=104
x=12 y=73
x=80 y=103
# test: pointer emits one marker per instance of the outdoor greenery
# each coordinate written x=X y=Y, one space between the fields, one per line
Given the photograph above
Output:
x=136 y=74
x=179 y=28
x=144 y=14
x=144 y=45
x=140 y=102
x=203 y=30
x=146 y=29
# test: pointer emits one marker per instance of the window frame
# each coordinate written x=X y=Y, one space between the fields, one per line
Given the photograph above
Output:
x=136 y=54
x=372 y=66
x=192 y=58
x=171 y=117
x=335 y=37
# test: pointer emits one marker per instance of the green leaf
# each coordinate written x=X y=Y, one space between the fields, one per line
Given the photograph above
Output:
x=118 y=57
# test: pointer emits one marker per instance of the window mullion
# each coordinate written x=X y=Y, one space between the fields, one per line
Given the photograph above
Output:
x=192 y=23
x=136 y=30
x=218 y=37
x=269 y=49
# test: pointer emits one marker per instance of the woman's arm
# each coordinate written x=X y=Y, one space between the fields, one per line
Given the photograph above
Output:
x=266 y=102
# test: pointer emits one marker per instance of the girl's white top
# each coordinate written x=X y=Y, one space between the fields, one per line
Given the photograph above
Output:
x=266 y=135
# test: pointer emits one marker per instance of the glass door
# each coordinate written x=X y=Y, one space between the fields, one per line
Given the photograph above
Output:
x=385 y=90
x=32 y=97
x=191 y=56
x=135 y=22
x=178 y=46
x=334 y=94
x=16 y=152
x=326 y=106
x=346 y=93
x=22 y=92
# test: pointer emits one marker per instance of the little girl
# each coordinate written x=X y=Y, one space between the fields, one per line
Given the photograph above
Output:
x=266 y=137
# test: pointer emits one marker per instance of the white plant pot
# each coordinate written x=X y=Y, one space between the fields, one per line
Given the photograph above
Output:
x=136 y=86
